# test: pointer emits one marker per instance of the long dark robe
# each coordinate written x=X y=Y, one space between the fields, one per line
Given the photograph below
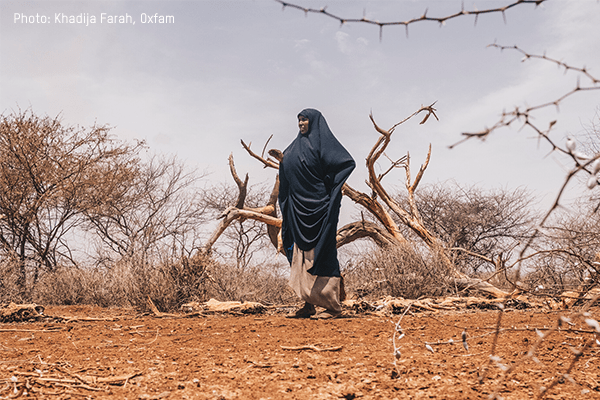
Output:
x=314 y=168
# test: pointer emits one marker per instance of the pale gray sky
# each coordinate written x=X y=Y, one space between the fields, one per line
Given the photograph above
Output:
x=231 y=70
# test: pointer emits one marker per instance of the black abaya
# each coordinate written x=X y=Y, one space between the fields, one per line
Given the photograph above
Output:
x=314 y=168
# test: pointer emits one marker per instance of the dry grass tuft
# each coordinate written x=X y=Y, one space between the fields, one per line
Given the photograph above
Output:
x=168 y=283
x=402 y=271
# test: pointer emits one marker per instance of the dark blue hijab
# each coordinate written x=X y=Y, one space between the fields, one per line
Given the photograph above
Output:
x=314 y=168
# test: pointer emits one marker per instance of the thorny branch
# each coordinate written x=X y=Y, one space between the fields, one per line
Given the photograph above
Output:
x=530 y=355
x=524 y=115
x=562 y=64
x=555 y=205
x=440 y=20
x=564 y=324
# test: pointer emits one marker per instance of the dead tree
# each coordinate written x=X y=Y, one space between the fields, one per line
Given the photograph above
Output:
x=266 y=214
x=379 y=204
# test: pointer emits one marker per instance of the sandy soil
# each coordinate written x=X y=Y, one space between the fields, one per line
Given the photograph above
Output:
x=120 y=354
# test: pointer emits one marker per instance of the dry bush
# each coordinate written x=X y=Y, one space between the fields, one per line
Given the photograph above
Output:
x=127 y=284
x=49 y=176
x=59 y=184
x=10 y=282
x=568 y=251
x=399 y=271
x=160 y=212
x=484 y=222
x=96 y=286
x=265 y=283
x=169 y=284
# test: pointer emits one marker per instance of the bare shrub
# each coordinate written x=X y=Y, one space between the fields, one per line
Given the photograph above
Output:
x=157 y=215
x=264 y=283
x=568 y=255
x=50 y=173
x=245 y=238
x=404 y=270
x=168 y=284
x=10 y=281
x=69 y=286
x=127 y=284
x=483 y=222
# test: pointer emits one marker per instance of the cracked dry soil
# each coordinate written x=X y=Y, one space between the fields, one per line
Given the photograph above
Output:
x=120 y=354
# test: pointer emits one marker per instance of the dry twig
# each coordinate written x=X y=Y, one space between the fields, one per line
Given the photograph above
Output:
x=311 y=347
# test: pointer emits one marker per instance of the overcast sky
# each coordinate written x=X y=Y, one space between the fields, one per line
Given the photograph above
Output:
x=229 y=70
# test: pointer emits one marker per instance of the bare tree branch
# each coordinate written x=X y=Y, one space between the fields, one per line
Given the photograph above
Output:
x=441 y=20
x=265 y=161
x=242 y=186
x=525 y=115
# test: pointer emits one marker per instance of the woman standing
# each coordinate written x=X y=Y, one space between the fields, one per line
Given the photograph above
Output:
x=314 y=168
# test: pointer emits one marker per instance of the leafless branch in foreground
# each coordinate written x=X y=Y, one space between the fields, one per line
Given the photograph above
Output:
x=440 y=20
x=524 y=115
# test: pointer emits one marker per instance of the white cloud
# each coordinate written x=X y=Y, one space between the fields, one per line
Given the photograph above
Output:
x=362 y=41
x=342 y=42
x=347 y=46
x=301 y=44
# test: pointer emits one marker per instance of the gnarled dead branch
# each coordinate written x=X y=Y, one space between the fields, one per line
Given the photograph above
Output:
x=380 y=204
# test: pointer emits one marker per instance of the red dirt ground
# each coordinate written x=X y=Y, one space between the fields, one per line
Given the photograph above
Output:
x=133 y=356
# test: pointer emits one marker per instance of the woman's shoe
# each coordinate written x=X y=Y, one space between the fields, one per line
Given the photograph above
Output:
x=304 y=312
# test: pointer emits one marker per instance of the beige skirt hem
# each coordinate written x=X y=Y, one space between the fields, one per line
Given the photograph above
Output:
x=322 y=291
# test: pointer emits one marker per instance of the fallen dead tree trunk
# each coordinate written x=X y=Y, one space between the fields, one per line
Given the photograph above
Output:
x=466 y=283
